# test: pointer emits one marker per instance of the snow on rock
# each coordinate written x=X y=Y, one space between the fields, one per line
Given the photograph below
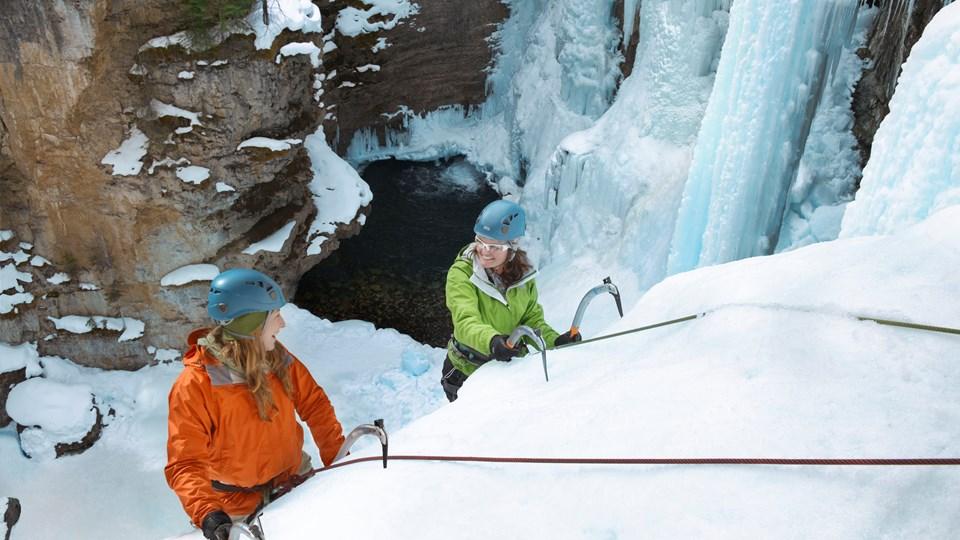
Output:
x=89 y=287
x=129 y=328
x=39 y=261
x=22 y=356
x=338 y=191
x=164 y=109
x=380 y=45
x=185 y=75
x=5 y=235
x=296 y=15
x=53 y=413
x=18 y=257
x=274 y=242
x=59 y=278
x=166 y=355
x=10 y=278
x=193 y=174
x=276 y=145
x=914 y=167
x=308 y=48
x=224 y=187
x=352 y=21
x=189 y=274
x=26 y=246
x=125 y=160
x=167 y=162
x=368 y=67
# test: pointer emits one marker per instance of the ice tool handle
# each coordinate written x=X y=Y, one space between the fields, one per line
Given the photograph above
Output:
x=376 y=429
x=606 y=286
x=521 y=331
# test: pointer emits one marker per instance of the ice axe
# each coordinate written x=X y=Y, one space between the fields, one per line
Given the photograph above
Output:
x=376 y=429
x=606 y=286
x=521 y=331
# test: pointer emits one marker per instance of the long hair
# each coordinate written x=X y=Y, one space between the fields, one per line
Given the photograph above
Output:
x=255 y=363
x=516 y=266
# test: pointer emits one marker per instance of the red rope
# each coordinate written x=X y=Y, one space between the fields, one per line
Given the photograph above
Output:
x=664 y=461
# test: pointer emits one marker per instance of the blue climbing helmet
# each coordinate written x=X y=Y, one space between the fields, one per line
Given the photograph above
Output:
x=239 y=291
x=501 y=220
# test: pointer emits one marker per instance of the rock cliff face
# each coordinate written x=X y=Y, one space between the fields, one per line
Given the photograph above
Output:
x=75 y=85
x=896 y=29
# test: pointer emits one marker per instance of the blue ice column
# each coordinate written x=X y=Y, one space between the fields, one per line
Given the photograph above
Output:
x=776 y=60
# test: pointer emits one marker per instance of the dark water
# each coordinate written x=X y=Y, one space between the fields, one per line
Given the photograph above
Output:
x=392 y=274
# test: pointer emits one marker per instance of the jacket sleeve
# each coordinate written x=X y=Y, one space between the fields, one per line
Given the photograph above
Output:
x=190 y=431
x=315 y=409
x=533 y=317
x=468 y=326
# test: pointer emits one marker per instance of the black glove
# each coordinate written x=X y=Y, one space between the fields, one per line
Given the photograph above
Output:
x=565 y=338
x=499 y=349
x=216 y=526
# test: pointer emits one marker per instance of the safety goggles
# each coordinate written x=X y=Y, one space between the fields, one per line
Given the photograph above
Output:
x=493 y=247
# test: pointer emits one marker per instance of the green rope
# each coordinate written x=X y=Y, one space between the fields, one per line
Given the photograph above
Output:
x=886 y=322
x=915 y=326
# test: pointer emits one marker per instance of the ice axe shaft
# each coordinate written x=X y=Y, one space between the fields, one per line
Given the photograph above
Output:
x=606 y=286
x=521 y=331
x=376 y=429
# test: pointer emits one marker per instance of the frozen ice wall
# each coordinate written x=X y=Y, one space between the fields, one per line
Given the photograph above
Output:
x=614 y=188
x=776 y=61
x=829 y=171
x=914 y=168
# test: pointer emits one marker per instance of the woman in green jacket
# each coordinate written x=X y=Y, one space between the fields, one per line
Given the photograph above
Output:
x=490 y=291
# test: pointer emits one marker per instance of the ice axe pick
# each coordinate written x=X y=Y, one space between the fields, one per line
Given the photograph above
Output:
x=606 y=286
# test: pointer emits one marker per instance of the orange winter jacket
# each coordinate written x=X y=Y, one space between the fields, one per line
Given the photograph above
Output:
x=215 y=432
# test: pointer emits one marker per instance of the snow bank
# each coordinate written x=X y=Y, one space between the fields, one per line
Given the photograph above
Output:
x=14 y=357
x=53 y=412
x=747 y=380
x=338 y=191
x=189 y=274
x=914 y=167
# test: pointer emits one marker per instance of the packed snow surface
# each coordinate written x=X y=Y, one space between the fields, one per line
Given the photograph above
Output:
x=380 y=15
x=14 y=357
x=55 y=407
x=914 y=167
x=777 y=366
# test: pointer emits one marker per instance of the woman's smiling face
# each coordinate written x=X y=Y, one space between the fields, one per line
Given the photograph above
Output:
x=491 y=253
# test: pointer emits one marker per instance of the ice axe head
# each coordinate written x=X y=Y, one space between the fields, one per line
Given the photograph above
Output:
x=612 y=289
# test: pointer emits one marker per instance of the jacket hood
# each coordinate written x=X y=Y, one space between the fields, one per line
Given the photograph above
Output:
x=196 y=355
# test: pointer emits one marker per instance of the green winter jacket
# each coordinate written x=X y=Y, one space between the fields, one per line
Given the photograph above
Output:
x=480 y=311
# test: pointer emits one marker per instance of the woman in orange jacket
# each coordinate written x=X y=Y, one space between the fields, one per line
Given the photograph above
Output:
x=233 y=435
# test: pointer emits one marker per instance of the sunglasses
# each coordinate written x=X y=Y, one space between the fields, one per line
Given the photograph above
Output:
x=495 y=247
